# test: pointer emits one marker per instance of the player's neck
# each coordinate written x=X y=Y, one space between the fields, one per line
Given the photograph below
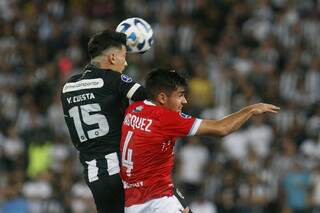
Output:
x=96 y=64
x=155 y=102
x=103 y=65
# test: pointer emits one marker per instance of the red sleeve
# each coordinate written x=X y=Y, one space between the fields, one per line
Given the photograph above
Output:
x=178 y=124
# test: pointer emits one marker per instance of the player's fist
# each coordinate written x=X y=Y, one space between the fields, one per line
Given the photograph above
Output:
x=260 y=108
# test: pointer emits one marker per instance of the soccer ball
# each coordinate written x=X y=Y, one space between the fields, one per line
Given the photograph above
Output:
x=139 y=34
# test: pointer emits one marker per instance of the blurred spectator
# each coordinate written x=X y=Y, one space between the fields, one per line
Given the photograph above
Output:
x=56 y=118
x=312 y=84
x=296 y=186
x=39 y=158
x=13 y=148
x=39 y=193
x=253 y=194
x=315 y=189
x=15 y=203
x=81 y=198
x=236 y=145
x=283 y=160
x=200 y=205
x=260 y=136
x=227 y=195
x=252 y=163
x=193 y=158
x=200 y=88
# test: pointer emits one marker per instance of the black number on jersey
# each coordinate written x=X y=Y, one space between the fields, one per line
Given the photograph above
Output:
x=89 y=119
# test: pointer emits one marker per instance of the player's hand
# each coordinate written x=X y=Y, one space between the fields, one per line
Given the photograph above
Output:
x=260 y=108
x=186 y=210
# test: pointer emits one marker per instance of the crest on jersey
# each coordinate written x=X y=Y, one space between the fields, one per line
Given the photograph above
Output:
x=184 y=115
x=126 y=78
x=138 y=109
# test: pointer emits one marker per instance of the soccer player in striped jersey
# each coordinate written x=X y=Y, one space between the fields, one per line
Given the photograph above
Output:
x=93 y=104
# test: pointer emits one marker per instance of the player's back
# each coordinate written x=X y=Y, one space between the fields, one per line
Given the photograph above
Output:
x=94 y=108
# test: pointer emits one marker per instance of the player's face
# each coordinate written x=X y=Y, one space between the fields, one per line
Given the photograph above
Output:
x=121 y=61
x=176 y=100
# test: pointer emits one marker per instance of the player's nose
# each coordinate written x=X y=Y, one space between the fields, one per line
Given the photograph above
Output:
x=184 y=100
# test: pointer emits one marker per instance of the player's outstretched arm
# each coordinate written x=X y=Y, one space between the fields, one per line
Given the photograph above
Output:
x=235 y=120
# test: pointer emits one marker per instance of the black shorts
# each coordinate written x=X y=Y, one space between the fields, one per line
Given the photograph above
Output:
x=108 y=194
x=101 y=173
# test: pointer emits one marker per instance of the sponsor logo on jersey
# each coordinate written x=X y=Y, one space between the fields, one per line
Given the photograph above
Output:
x=126 y=78
x=132 y=185
x=184 y=115
x=138 y=109
x=83 y=84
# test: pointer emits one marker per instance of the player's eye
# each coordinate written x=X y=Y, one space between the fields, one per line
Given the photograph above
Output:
x=181 y=94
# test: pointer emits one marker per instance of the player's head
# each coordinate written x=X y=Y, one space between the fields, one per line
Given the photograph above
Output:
x=166 y=88
x=108 y=48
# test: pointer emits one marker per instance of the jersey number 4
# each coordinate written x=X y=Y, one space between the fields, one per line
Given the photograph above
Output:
x=89 y=118
x=126 y=160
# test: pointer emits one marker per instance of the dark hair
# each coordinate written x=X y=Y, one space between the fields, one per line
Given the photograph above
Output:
x=163 y=80
x=104 y=40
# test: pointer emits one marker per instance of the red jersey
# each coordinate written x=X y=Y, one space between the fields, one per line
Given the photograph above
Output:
x=146 y=148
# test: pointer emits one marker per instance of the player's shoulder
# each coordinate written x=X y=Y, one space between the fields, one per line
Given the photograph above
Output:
x=136 y=106
x=115 y=76
x=147 y=107
x=73 y=78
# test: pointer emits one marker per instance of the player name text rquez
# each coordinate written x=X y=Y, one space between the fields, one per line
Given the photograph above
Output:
x=137 y=123
x=79 y=98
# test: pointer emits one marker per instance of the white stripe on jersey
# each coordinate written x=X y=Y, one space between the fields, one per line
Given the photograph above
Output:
x=83 y=84
x=113 y=163
x=92 y=170
x=133 y=90
x=195 y=127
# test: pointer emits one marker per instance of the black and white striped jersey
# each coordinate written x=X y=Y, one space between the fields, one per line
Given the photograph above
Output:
x=94 y=103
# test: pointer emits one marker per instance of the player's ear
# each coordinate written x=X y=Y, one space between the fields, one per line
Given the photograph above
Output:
x=162 y=98
x=112 y=58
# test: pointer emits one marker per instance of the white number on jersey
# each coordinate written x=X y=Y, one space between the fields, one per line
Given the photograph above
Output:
x=127 y=154
x=89 y=119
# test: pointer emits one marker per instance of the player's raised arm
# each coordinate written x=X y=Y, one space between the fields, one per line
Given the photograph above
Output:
x=234 y=121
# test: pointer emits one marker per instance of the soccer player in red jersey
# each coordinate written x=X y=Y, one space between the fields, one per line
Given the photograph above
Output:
x=149 y=131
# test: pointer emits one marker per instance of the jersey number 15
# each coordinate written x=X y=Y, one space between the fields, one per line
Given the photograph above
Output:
x=89 y=119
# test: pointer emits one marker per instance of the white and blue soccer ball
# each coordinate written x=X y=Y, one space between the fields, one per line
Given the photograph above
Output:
x=139 y=34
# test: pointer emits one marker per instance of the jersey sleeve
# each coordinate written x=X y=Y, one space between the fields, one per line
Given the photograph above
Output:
x=131 y=89
x=178 y=124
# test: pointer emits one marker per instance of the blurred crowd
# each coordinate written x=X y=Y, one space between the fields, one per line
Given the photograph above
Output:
x=233 y=52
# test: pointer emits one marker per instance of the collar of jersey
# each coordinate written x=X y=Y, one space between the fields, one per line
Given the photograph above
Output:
x=93 y=67
x=146 y=102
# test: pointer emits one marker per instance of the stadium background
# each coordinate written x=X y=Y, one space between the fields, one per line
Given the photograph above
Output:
x=233 y=52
